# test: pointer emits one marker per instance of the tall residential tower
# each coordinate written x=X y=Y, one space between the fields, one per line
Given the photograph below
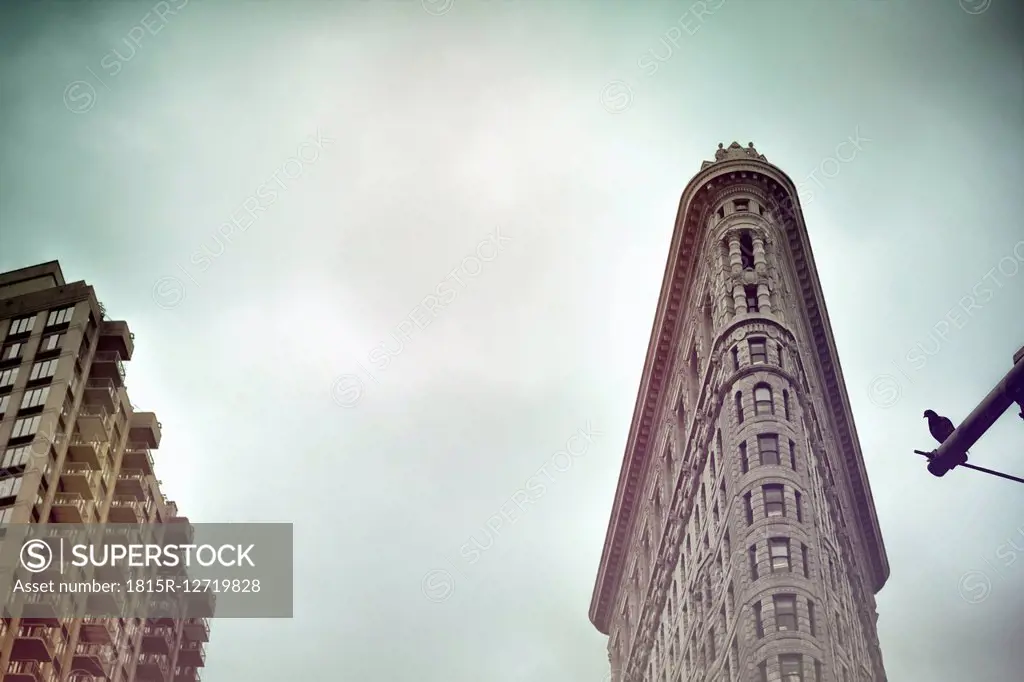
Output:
x=743 y=544
x=75 y=450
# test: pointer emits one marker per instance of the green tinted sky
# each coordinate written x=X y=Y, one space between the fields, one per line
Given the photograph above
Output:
x=438 y=128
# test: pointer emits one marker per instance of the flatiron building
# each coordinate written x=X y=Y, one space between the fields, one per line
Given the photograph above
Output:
x=743 y=544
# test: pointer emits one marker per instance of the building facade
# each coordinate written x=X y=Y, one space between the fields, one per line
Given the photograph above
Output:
x=75 y=450
x=743 y=544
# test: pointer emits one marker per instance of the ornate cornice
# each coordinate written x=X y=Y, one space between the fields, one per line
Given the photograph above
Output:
x=729 y=169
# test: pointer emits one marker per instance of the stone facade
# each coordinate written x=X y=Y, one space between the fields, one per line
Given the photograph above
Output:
x=743 y=544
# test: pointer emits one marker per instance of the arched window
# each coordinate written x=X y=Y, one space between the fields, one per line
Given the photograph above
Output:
x=763 y=403
x=739 y=406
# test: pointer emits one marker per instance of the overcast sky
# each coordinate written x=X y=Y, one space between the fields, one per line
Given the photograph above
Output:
x=515 y=167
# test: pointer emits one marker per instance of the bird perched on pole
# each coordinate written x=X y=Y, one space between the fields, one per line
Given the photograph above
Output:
x=940 y=427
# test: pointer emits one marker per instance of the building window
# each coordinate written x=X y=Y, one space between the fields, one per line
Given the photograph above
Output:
x=62 y=316
x=762 y=672
x=22 y=325
x=35 y=397
x=10 y=487
x=774 y=502
x=811 y=619
x=782 y=357
x=750 y=293
x=712 y=652
x=735 y=358
x=752 y=556
x=739 y=406
x=11 y=351
x=748 y=507
x=778 y=549
x=25 y=427
x=15 y=457
x=50 y=342
x=43 y=370
x=805 y=556
x=758 y=352
x=711 y=464
x=791 y=666
x=4 y=401
x=8 y=376
x=741 y=204
x=758 y=622
x=785 y=404
x=799 y=507
x=768 y=448
x=792 y=455
x=746 y=250
x=785 y=612
x=721 y=211
x=763 y=400
x=744 y=462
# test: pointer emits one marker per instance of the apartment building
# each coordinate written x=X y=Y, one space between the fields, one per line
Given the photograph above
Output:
x=76 y=451
x=743 y=544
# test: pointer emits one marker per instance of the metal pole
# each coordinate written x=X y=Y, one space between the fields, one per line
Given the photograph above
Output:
x=983 y=470
x=992 y=406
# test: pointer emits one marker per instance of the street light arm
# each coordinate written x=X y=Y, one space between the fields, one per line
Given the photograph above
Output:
x=999 y=399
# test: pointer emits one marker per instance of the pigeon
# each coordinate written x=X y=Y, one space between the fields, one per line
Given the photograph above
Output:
x=941 y=427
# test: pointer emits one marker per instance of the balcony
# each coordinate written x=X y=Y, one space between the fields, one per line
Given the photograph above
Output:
x=101 y=393
x=27 y=671
x=145 y=428
x=76 y=478
x=107 y=365
x=157 y=639
x=163 y=609
x=186 y=674
x=152 y=667
x=192 y=654
x=94 y=659
x=179 y=531
x=71 y=508
x=33 y=644
x=116 y=338
x=113 y=604
x=91 y=454
x=42 y=608
x=94 y=422
x=131 y=483
x=196 y=630
x=200 y=604
x=98 y=631
x=137 y=456
x=126 y=509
